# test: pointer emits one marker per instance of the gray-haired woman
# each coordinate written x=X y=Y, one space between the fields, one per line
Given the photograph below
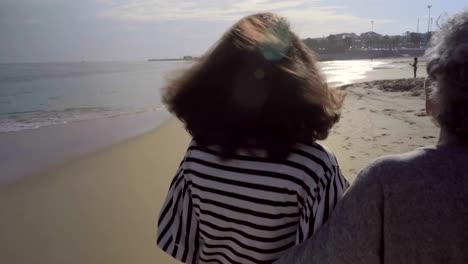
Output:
x=410 y=208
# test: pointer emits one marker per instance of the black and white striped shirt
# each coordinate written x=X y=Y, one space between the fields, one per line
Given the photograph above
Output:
x=248 y=209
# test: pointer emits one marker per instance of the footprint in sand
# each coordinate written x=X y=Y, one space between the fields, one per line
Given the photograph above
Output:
x=408 y=111
x=429 y=137
x=352 y=157
x=362 y=108
x=421 y=114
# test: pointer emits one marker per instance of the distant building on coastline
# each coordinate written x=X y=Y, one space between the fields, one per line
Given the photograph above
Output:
x=190 y=58
x=369 y=45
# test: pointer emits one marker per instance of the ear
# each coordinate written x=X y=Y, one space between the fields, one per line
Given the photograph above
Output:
x=432 y=109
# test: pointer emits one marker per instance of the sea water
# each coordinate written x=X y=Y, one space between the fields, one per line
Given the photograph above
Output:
x=34 y=95
x=42 y=94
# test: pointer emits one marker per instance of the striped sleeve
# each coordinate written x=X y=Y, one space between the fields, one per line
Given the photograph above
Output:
x=320 y=205
x=177 y=232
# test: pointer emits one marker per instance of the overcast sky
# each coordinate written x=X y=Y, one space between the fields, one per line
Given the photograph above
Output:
x=74 y=30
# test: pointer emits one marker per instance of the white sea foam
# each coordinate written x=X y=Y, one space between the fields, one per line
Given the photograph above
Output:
x=12 y=122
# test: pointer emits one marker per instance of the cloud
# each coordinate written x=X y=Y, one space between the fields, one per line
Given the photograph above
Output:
x=156 y=10
x=308 y=17
x=317 y=21
x=218 y=10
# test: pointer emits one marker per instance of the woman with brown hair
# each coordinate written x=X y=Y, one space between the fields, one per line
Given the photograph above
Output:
x=253 y=182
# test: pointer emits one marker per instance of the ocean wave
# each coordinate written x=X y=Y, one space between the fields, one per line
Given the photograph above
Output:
x=387 y=67
x=17 y=121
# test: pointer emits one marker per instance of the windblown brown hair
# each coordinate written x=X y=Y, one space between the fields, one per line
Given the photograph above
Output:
x=257 y=88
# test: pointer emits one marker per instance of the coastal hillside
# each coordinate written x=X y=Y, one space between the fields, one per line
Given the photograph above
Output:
x=369 y=45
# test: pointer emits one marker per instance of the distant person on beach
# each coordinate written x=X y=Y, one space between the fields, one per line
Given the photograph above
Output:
x=413 y=207
x=415 y=66
x=254 y=181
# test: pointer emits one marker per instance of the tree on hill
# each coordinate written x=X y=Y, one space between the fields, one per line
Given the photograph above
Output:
x=340 y=43
x=415 y=38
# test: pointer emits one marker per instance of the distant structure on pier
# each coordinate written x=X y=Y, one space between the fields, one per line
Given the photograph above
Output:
x=185 y=58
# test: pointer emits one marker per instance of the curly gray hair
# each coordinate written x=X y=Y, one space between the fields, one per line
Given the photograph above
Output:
x=448 y=65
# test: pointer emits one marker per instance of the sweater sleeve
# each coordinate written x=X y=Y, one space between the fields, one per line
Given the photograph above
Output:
x=177 y=232
x=354 y=232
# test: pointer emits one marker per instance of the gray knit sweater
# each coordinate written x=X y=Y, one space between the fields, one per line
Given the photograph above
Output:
x=410 y=208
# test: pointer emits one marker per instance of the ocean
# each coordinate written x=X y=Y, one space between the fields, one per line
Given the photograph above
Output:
x=34 y=95
x=43 y=94
x=51 y=112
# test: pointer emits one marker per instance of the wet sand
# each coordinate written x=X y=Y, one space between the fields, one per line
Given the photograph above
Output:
x=31 y=152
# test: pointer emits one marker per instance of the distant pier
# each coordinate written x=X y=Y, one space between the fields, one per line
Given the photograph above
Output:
x=185 y=58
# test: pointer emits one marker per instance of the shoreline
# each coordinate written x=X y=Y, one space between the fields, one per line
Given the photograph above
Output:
x=31 y=152
x=89 y=154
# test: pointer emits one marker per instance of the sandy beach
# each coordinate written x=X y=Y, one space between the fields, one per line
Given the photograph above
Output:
x=380 y=118
x=102 y=208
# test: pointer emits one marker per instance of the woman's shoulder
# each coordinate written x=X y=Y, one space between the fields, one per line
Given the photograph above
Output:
x=397 y=161
x=307 y=151
x=395 y=168
x=319 y=150
x=316 y=153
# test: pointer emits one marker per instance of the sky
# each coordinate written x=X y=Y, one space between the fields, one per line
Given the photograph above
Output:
x=120 y=30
